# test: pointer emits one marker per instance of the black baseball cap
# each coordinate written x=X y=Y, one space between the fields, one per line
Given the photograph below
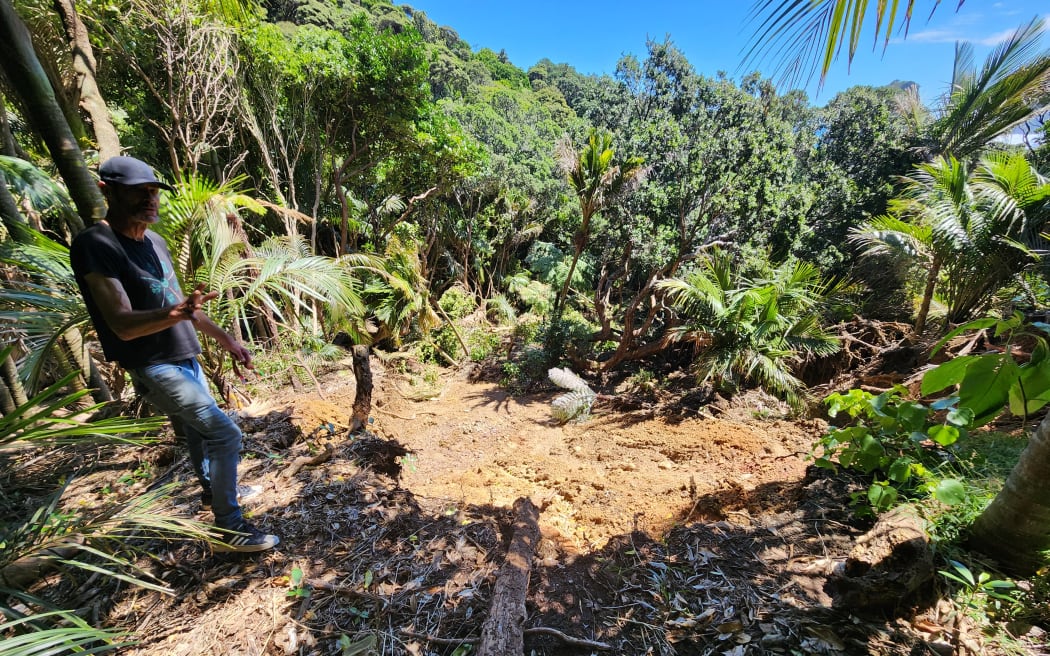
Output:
x=129 y=171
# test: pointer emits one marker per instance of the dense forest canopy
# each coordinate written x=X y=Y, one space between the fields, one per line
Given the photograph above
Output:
x=354 y=169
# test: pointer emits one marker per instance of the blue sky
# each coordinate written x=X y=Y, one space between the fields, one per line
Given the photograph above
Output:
x=591 y=35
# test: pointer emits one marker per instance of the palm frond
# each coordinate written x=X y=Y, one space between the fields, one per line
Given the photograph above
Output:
x=567 y=379
x=574 y=405
x=38 y=188
x=57 y=632
x=982 y=105
x=806 y=36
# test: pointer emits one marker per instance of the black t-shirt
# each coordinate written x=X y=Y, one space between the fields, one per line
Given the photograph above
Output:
x=145 y=270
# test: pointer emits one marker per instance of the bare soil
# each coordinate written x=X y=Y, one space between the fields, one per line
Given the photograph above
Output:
x=663 y=532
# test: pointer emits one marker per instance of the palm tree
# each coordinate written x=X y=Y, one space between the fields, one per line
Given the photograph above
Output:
x=597 y=179
x=1015 y=527
x=278 y=279
x=40 y=305
x=397 y=292
x=810 y=35
x=1009 y=89
x=970 y=231
x=749 y=331
x=979 y=105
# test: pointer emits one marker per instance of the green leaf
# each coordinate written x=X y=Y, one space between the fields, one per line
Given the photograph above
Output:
x=946 y=374
x=824 y=463
x=1005 y=326
x=882 y=496
x=900 y=470
x=960 y=416
x=912 y=416
x=976 y=324
x=870 y=453
x=1032 y=389
x=946 y=403
x=1040 y=352
x=986 y=386
x=950 y=491
x=944 y=435
x=963 y=572
x=362 y=647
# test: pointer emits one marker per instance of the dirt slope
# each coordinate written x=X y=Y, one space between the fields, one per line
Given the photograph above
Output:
x=661 y=536
x=474 y=443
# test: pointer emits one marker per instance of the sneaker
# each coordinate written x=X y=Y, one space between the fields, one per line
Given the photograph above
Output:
x=244 y=493
x=244 y=538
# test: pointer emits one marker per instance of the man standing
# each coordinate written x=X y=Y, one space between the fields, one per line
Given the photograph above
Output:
x=145 y=323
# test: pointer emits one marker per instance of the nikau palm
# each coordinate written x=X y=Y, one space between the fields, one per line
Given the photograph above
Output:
x=970 y=231
x=597 y=179
x=750 y=331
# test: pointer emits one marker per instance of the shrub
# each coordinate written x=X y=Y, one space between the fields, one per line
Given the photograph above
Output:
x=899 y=443
x=457 y=303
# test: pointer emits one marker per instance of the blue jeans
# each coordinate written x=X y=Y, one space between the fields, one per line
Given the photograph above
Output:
x=180 y=390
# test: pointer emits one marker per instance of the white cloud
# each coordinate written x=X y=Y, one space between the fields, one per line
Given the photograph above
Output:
x=997 y=38
x=935 y=36
x=953 y=35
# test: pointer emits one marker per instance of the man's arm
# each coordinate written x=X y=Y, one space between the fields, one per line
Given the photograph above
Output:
x=237 y=350
x=127 y=323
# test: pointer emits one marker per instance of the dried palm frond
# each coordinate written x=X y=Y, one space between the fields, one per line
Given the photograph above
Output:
x=575 y=404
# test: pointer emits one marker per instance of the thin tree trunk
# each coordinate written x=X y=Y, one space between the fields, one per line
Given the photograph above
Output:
x=8 y=145
x=13 y=220
x=13 y=393
x=84 y=66
x=1015 y=527
x=927 y=295
x=74 y=342
x=30 y=82
x=363 y=390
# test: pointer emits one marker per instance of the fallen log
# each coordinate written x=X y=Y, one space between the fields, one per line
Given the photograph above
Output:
x=502 y=633
x=25 y=571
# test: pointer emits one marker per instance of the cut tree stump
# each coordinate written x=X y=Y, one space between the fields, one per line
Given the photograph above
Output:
x=887 y=566
x=502 y=634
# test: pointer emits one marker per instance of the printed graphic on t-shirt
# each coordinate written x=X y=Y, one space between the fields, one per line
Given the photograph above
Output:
x=166 y=287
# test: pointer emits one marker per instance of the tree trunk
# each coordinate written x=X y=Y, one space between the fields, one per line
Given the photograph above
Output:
x=502 y=634
x=30 y=82
x=8 y=145
x=363 y=389
x=25 y=571
x=927 y=295
x=1015 y=527
x=13 y=221
x=84 y=66
x=12 y=393
x=81 y=358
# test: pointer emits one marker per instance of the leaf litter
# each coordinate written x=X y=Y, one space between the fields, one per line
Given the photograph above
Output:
x=660 y=534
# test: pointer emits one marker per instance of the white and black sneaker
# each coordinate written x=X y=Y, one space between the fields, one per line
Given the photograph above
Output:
x=244 y=493
x=244 y=538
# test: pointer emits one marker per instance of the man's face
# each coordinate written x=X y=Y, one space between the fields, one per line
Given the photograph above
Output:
x=137 y=203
